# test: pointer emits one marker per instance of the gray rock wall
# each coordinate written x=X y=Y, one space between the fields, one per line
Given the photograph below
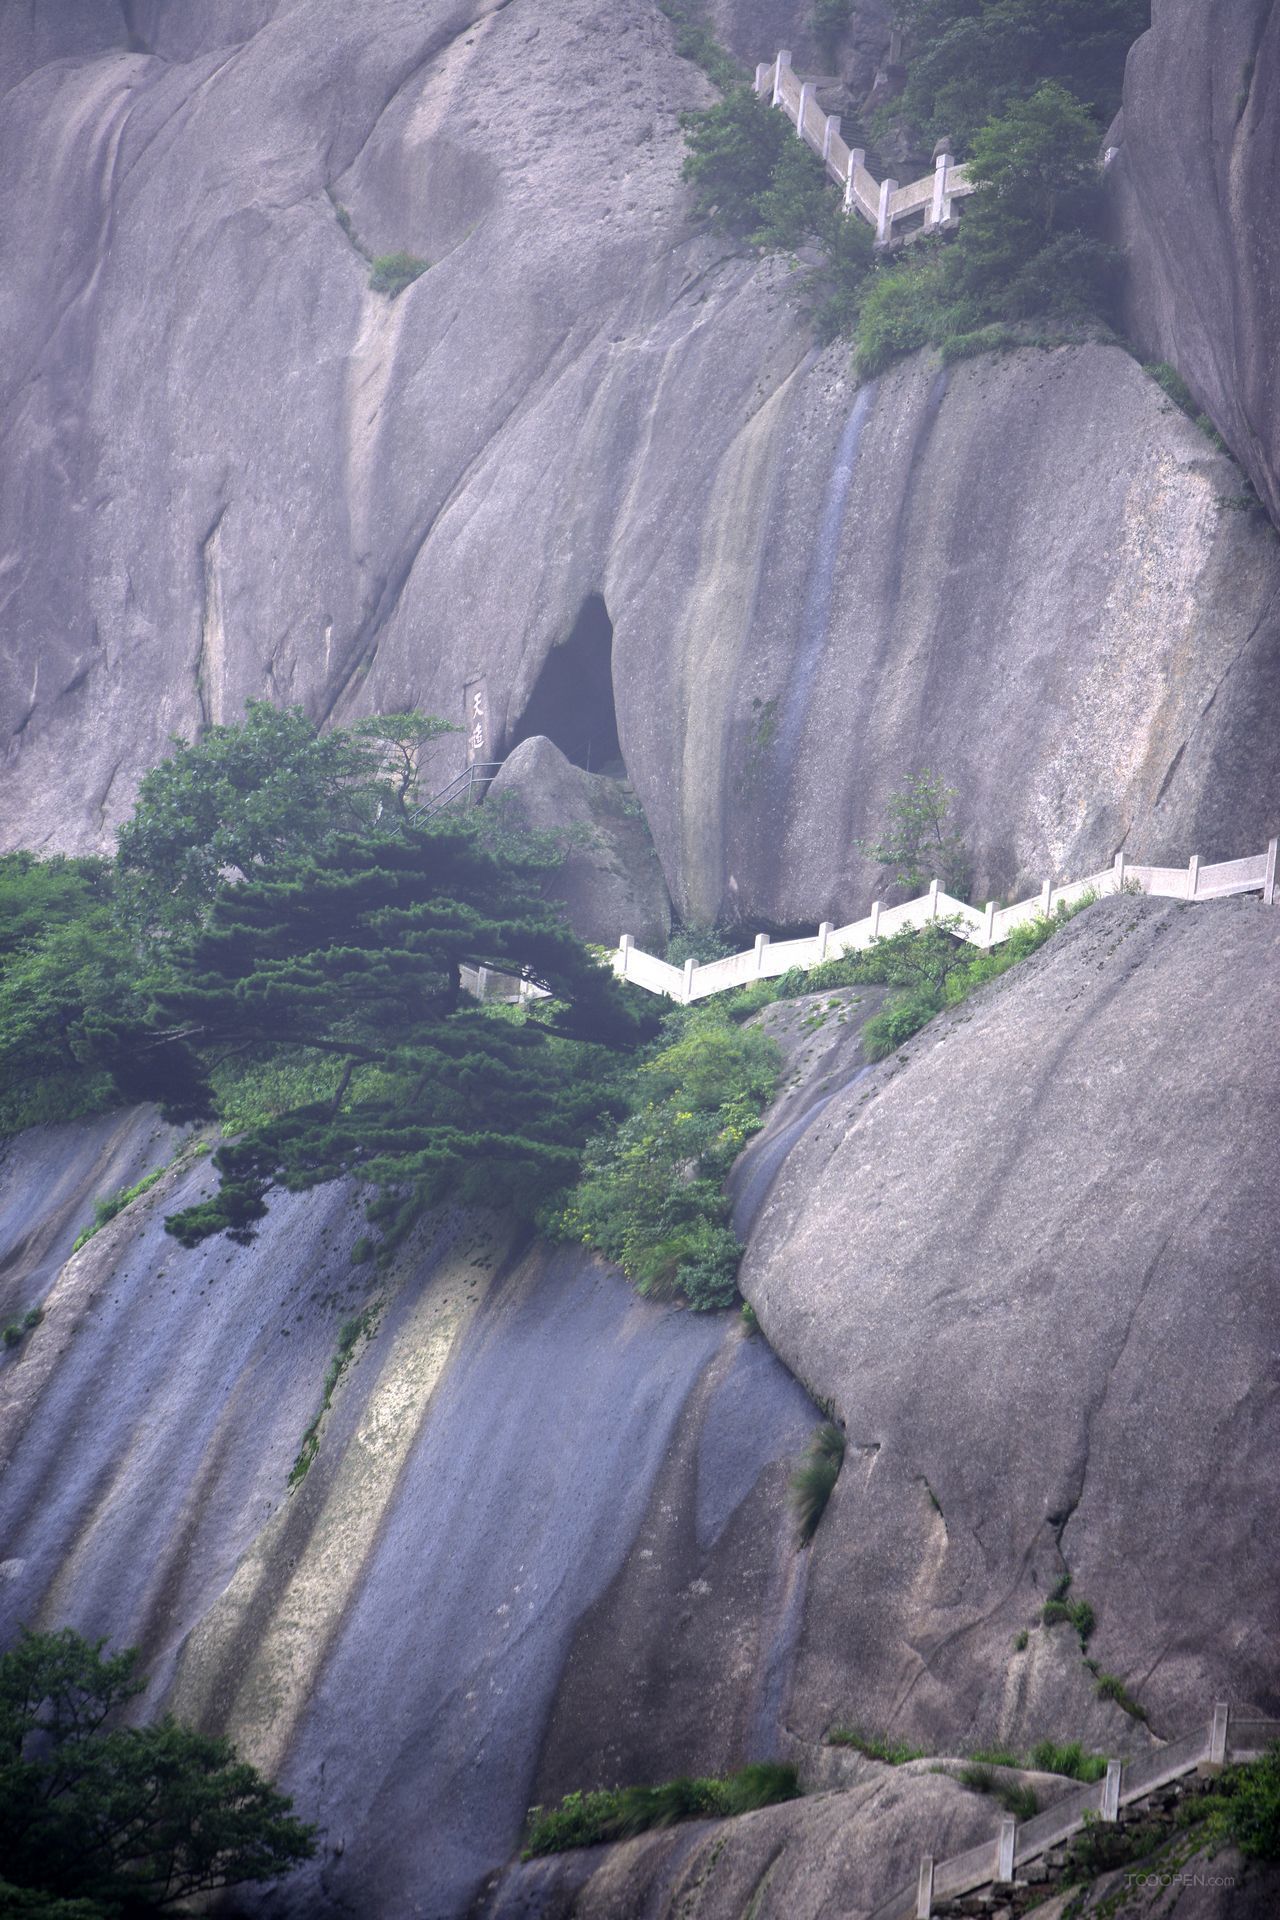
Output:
x=1192 y=187
x=1032 y=1261
x=1033 y=581
x=523 y=1456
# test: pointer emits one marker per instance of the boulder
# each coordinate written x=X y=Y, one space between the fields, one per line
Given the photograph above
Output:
x=1191 y=185
x=1032 y=1262
x=610 y=881
x=233 y=469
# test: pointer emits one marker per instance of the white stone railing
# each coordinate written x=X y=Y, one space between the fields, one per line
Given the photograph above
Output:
x=987 y=927
x=882 y=202
x=996 y=1861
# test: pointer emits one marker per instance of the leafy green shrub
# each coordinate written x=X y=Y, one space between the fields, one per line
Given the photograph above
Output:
x=695 y=41
x=700 y=944
x=104 y=1210
x=895 y=1024
x=796 y=202
x=733 y=149
x=651 y=1196
x=587 y=1819
x=1069 y=1759
x=1016 y=1799
x=1076 y=1613
x=968 y=59
x=391 y=273
x=876 y=1746
x=1109 y=1686
x=1021 y=1640
x=100 y=1819
x=905 y=308
x=813 y=1482
x=1245 y=1806
x=350 y=1334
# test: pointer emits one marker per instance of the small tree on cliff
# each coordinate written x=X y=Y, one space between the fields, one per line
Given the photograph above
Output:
x=918 y=841
x=354 y=957
x=99 y=1820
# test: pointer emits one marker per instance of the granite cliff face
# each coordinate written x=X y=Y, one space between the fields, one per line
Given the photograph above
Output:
x=545 y=1540
x=621 y=449
x=1193 y=178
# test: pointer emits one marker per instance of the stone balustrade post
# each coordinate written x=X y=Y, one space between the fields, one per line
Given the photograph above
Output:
x=1269 y=883
x=1120 y=864
x=940 y=210
x=884 y=219
x=780 y=66
x=924 y=1889
x=825 y=932
x=1218 y=1735
x=933 y=899
x=989 y=924
x=1193 y=876
x=875 y=919
x=762 y=941
x=806 y=94
x=625 y=945
x=1004 y=1849
x=829 y=132
x=763 y=73
x=1046 y=898
x=1109 y=1808
x=687 y=984
x=482 y=983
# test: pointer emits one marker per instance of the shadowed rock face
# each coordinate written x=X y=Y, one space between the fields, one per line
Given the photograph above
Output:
x=1032 y=1260
x=610 y=881
x=1191 y=187
x=237 y=471
x=523 y=1458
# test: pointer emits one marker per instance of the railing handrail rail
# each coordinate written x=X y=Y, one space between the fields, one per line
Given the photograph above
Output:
x=983 y=928
x=966 y=1872
x=880 y=202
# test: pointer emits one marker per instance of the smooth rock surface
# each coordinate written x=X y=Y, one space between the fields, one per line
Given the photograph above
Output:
x=1192 y=188
x=1032 y=1261
x=610 y=882
x=523 y=1457
x=834 y=1853
x=1029 y=578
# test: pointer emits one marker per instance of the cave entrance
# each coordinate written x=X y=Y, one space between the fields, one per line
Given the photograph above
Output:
x=572 y=698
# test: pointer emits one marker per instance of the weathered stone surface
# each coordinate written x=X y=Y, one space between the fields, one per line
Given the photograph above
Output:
x=1032 y=1261
x=49 y=1180
x=523 y=1458
x=235 y=470
x=835 y=1853
x=1192 y=188
x=610 y=881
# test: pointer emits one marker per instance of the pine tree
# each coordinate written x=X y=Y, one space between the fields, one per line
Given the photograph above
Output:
x=356 y=954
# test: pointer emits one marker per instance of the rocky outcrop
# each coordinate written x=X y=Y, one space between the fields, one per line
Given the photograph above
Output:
x=1035 y=1272
x=1192 y=186
x=834 y=1853
x=609 y=882
x=418 y=1634
x=1032 y=563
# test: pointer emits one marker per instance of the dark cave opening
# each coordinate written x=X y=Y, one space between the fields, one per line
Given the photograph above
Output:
x=572 y=698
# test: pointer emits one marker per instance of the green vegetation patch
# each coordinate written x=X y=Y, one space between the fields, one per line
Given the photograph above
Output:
x=16 y=1331
x=99 y=1819
x=586 y=1819
x=107 y=1209
x=651 y=1196
x=876 y=1746
x=813 y=1482
x=391 y=273
x=353 y=1331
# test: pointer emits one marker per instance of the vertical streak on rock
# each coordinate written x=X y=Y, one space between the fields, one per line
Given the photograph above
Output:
x=716 y=631
x=307 y=1606
x=211 y=661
